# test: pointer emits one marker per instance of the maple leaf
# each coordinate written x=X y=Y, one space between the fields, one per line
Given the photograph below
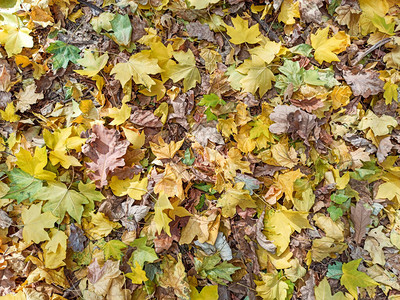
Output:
x=271 y=287
x=27 y=97
x=58 y=141
x=289 y=11
x=174 y=276
x=233 y=197
x=63 y=54
x=114 y=249
x=352 y=278
x=92 y=62
x=9 y=114
x=134 y=187
x=257 y=76
x=55 y=250
x=35 y=164
x=35 y=222
x=61 y=200
x=323 y=291
x=161 y=219
x=23 y=186
x=326 y=49
x=143 y=253
x=241 y=33
x=13 y=35
x=138 y=275
x=139 y=66
x=106 y=151
x=185 y=69
x=119 y=115
x=100 y=226
x=164 y=150
x=379 y=125
x=207 y=292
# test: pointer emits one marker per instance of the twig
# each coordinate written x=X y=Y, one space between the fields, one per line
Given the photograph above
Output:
x=364 y=54
x=271 y=34
x=91 y=5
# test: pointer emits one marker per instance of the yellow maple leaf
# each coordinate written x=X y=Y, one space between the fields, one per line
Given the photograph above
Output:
x=266 y=52
x=34 y=164
x=100 y=226
x=241 y=33
x=139 y=66
x=271 y=287
x=161 y=218
x=35 y=223
x=57 y=141
x=340 y=96
x=233 y=197
x=158 y=89
x=134 y=187
x=200 y=4
x=92 y=62
x=289 y=11
x=13 y=35
x=286 y=182
x=379 y=125
x=9 y=114
x=134 y=137
x=120 y=115
x=283 y=155
x=185 y=69
x=280 y=224
x=55 y=250
x=138 y=275
x=257 y=76
x=326 y=49
x=164 y=150
x=170 y=184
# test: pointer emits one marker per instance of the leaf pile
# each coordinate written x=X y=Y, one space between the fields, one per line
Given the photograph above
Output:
x=199 y=149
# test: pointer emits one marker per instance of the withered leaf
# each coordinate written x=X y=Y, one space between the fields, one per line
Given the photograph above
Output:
x=361 y=218
x=364 y=83
x=105 y=150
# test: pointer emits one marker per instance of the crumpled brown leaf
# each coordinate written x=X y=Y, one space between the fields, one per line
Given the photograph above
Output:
x=364 y=83
x=203 y=134
x=145 y=118
x=290 y=119
x=201 y=31
x=105 y=149
x=310 y=12
x=182 y=105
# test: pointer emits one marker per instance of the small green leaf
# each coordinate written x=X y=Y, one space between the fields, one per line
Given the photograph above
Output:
x=63 y=54
x=188 y=160
x=211 y=100
x=335 y=212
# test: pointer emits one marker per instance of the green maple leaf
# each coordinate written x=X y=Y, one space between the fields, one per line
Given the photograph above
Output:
x=114 y=249
x=210 y=268
x=352 y=278
x=23 y=186
x=211 y=100
x=143 y=253
x=62 y=200
x=63 y=54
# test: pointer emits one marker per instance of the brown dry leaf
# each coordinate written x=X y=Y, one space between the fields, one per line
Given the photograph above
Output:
x=201 y=31
x=308 y=104
x=203 y=134
x=145 y=118
x=27 y=97
x=361 y=218
x=105 y=150
x=175 y=277
x=364 y=83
